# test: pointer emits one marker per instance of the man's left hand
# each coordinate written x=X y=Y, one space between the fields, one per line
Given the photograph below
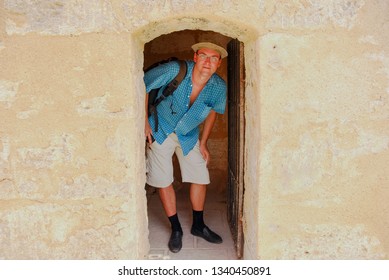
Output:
x=205 y=152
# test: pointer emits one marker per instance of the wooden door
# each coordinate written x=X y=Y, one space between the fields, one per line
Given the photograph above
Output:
x=236 y=126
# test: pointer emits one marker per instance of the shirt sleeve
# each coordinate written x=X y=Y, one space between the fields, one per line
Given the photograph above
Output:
x=161 y=75
x=221 y=98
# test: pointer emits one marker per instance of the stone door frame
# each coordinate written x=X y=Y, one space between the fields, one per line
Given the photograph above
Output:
x=249 y=37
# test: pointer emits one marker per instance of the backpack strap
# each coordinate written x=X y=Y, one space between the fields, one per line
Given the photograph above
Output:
x=170 y=88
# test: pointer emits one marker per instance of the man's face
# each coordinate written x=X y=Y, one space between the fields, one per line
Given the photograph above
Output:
x=207 y=61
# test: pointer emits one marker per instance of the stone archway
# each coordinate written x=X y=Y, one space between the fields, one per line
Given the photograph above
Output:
x=155 y=29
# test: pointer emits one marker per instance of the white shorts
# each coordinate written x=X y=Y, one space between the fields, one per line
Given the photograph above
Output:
x=159 y=164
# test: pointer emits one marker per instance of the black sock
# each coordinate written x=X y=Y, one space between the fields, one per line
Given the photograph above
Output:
x=198 y=220
x=176 y=226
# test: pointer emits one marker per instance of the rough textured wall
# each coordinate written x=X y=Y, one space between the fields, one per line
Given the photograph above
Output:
x=71 y=148
x=324 y=131
x=69 y=163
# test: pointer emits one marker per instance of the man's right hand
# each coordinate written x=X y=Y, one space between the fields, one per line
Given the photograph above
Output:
x=148 y=132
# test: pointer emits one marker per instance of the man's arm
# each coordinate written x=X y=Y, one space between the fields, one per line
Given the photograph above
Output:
x=208 y=125
x=148 y=130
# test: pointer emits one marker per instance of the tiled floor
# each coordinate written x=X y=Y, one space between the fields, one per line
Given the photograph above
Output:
x=193 y=248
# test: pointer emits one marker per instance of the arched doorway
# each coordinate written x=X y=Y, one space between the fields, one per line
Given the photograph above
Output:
x=225 y=193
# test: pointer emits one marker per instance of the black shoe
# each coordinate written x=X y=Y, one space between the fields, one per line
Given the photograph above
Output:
x=207 y=234
x=175 y=241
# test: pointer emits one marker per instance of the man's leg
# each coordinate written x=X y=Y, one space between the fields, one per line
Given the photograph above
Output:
x=160 y=174
x=168 y=199
x=197 y=198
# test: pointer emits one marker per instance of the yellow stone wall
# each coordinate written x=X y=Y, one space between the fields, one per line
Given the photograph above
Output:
x=71 y=125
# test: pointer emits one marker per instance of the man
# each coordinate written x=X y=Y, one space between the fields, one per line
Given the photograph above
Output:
x=198 y=98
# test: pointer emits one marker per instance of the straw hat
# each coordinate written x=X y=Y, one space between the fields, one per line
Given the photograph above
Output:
x=206 y=45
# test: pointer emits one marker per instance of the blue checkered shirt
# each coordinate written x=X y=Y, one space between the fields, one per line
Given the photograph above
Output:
x=174 y=113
